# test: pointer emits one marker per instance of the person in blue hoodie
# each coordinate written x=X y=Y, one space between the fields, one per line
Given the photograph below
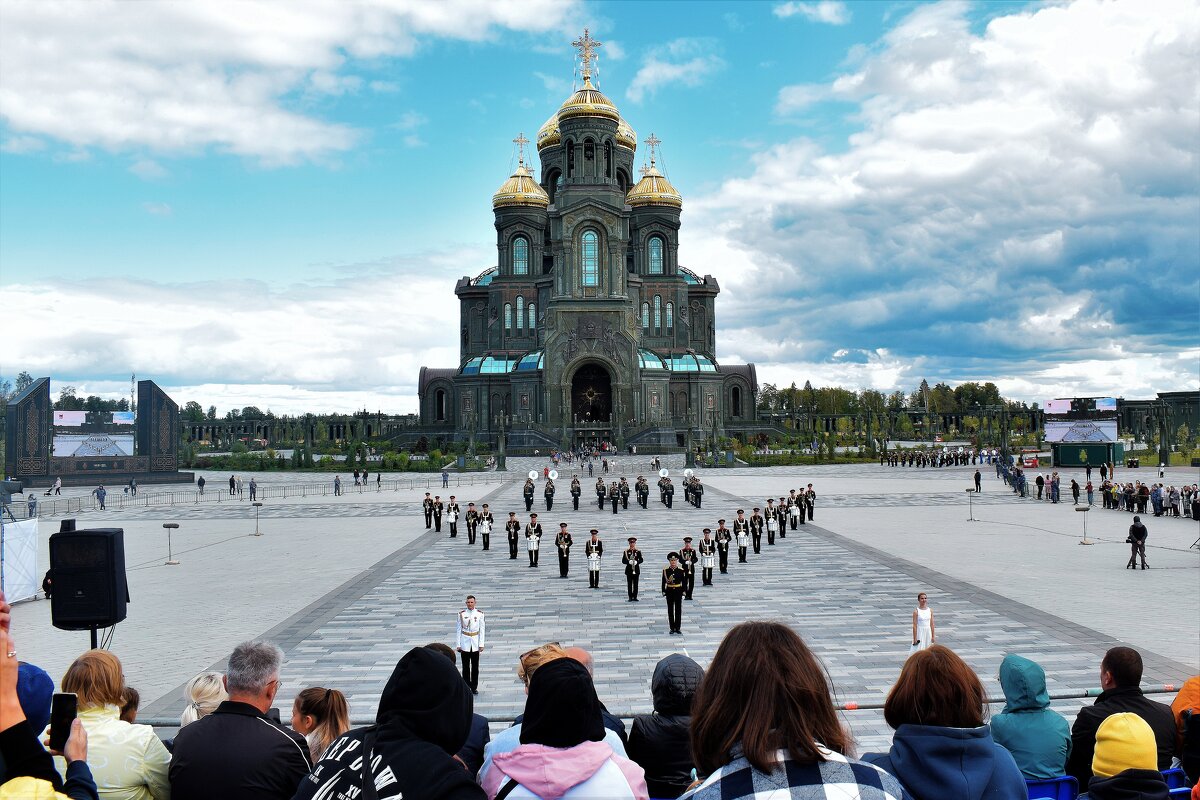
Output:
x=942 y=748
x=1038 y=739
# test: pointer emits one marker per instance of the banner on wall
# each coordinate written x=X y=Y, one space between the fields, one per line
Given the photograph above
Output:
x=72 y=419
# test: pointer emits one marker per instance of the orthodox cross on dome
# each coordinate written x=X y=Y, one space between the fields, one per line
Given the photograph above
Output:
x=653 y=142
x=587 y=47
x=520 y=142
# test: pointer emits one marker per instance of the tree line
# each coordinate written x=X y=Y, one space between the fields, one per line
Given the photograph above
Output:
x=940 y=398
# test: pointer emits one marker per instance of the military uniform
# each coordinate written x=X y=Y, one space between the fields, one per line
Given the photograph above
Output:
x=563 y=543
x=484 y=526
x=772 y=520
x=632 y=559
x=472 y=520
x=723 y=537
x=708 y=558
x=697 y=492
x=426 y=505
x=438 y=507
x=576 y=491
x=452 y=517
x=513 y=527
x=601 y=491
x=756 y=531
x=781 y=513
x=673 y=581
x=533 y=537
x=549 y=494
x=614 y=496
x=624 y=489
x=469 y=636
x=642 y=488
x=670 y=493
x=527 y=493
x=594 y=550
x=741 y=532
x=687 y=562
x=810 y=500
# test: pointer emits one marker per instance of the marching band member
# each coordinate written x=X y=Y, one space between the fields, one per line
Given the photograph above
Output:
x=484 y=526
x=632 y=559
x=426 y=505
x=687 y=560
x=549 y=494
x=594 y=550
x=533 y=535
x=452 y=517
x=472 y=520
x=673 y=580
x=601 y=491
x=513 y=526
x=708 y=557
x=438 y=506
x=527 y=493
x=741 y=532
x=756 y=530
x=724 y=537
x=563 y=543
x=772 y=521
x=576 y=491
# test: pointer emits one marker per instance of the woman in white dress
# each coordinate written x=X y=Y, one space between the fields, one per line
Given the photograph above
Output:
x=922 y=624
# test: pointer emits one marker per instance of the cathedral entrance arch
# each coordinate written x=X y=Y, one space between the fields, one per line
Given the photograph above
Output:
x=591 y=394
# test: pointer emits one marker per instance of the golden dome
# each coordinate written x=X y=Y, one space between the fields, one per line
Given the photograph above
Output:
x=549 y=134
x=588 y=102
x=654 y=190
x=625 y=136
x=520 y=190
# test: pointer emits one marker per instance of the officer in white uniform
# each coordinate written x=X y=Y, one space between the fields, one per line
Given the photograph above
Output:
x=469 y=638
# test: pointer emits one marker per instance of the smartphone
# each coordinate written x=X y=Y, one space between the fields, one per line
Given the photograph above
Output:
x=63 y=707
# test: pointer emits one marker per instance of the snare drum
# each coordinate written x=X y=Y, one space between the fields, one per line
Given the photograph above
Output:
x=708 y=562
x=594 y=562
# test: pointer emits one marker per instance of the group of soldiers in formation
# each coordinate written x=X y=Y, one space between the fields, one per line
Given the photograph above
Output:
x=919 y=458
x=616 y=493
x=678 y=577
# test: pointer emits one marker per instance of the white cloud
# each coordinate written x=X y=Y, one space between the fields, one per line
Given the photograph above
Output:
x=157 y=209
x=171 y=77
x=1017 y=200
x=799 y=97
x=831 y=12
x=22 y=144
x=338 y=345
x=148 y=169
x=687 y=61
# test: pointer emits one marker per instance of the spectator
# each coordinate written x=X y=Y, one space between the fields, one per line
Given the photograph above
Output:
x=423 y=719
x=203 y=694
x=237 y=752
x=26 y=769
x=941 y=747
x=659 y=742
x=1038 y=739
x=320 y=715
x=1124 y=764
x=563 y=753
x=1186 y=710
x=764 y=725
x=127 y=761
x=471 y=753
x=612 y=722
x=1120 y=677
x=509 y=739
x=129 y=708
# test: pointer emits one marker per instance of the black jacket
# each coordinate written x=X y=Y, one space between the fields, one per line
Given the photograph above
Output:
x=1132 y=784
x=1115 y=701
x=659 y=741
x=424 y=717
x=237 y=753
x=472 y=752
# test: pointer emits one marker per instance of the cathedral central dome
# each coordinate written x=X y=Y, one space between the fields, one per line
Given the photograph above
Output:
x=588 y=101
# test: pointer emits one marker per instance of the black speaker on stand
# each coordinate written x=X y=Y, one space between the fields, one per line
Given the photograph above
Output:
x=88 y=578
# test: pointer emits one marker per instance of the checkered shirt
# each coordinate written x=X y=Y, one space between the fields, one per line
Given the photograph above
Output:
x=837 y=778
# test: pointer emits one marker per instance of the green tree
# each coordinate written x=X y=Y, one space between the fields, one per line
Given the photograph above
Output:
x=193 y=411
x=6 y=390
x=212 y=412
x=252 y=412
x=24 y=381
x=67 y=401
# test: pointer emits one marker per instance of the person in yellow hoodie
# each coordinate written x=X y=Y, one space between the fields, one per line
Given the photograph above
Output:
x=129 y=762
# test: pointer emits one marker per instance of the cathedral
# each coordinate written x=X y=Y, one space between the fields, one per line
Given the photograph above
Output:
x=588 y=329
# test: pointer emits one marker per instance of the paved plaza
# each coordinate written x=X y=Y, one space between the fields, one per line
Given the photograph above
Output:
x=347 y=584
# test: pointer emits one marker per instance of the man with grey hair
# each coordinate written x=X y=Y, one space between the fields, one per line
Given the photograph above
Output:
x=238 y=752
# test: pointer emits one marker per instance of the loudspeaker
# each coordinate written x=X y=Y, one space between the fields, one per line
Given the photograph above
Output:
x=88 y=569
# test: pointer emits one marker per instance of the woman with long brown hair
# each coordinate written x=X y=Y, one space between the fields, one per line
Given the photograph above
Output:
x=763 y=719
x=320 y=715
x=942 y=748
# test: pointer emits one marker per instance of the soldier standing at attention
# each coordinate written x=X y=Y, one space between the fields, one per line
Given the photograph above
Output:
x=741 y=532
x=563 y=543
x=782 y=512
x=600 y=492
x=438 y=507
x=687 y=562
x=576 y=490
x=632 y=559
x=624 y=489
x=772 y=520
x=533 y=536
x=697 y=492
x=708 y=557
x=469 y=638
x=485 y=523
x=426 y=505
x=614 y=496
x=724 y=537
x=756 y=529
x=643 y=490
x=452 y=517
x=513 y=526
x=472 y=520
x=594 y=550
x=670 y=493
x=673 y=579
x=810 y=499
x=527 y=493
x=549 y=493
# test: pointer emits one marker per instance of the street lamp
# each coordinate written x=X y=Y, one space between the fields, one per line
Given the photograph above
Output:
x=257 y=505
x=170 y=526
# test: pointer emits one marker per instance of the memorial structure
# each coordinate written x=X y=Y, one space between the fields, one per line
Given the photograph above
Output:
x=588 y=328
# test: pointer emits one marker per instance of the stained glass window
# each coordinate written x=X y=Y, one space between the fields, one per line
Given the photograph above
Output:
x=520 y=313
x=590 y=258
x=520 y=256
x=656 y=256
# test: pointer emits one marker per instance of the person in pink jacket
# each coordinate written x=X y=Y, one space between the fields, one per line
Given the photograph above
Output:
x=563 y=753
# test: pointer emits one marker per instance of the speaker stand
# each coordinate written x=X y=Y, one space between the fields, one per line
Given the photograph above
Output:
x=95 y=639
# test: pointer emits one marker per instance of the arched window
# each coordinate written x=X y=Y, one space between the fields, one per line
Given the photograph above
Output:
x=439 y=404
x=570 y=159
x=736 y=397
x=532 y=316
x=520 y=256
x=590 y=259
x=507 y=317
x=670 y=317
x=646 y=317
x=656 y=255
x=520 y=313
x=608 y=160
x=657 y=314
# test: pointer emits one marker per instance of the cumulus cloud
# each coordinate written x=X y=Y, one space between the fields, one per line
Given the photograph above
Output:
x=686 y=61
x=352 y=342
x=1019 y=205
x=217 y=75
x=831 y=12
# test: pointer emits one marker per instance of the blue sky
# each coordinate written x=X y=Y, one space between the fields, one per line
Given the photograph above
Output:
x=269 y=204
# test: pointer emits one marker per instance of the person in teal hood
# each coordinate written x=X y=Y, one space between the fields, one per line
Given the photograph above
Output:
x=941 y=748
x=1038 y=738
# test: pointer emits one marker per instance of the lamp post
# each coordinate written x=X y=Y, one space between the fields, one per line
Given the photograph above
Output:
x=502 y=422
x=257 y=505
x=170 y=526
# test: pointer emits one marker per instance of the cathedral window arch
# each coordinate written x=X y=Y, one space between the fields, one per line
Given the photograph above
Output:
x=589 y=157
x=657 y=313
x=589 y=258
x=608 y=159
x=533 y=316
x=520 y=313
x=507 y=317
x=520 y=255
x=655 y=255
x=670 y=317
x=570 y=148
x=736 y=404
x=646 y=318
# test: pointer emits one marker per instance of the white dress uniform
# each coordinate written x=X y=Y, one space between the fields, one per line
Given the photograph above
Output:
x=470 y=641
